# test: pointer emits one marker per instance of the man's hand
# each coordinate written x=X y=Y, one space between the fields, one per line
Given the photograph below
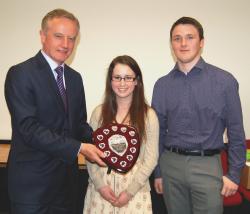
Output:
x=107 y=193
x=123 y=199
x=229 y=187
x=92 y=153
x=158 y=185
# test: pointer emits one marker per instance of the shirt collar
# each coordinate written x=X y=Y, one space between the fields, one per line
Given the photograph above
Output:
x=200 y=65
x=53 y=65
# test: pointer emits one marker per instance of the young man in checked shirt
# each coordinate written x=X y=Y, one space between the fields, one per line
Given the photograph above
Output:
x=195 y=102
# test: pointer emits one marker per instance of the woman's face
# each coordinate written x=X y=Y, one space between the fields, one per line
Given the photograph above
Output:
x=123 y=82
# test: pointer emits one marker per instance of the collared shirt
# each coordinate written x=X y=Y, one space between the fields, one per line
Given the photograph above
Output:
x=195 y=108
x=53 y=65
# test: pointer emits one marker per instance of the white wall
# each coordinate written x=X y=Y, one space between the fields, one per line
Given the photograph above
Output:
x=139 y=28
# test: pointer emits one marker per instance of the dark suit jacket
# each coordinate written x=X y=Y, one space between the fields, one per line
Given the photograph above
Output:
x=45 y=139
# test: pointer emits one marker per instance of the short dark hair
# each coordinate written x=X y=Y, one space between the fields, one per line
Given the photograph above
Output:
x=58 y=13
x=191 y=21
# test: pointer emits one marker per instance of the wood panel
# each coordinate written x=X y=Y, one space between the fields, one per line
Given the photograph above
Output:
x=4 y=153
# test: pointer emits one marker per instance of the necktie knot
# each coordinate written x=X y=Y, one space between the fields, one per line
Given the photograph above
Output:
x=59 y=70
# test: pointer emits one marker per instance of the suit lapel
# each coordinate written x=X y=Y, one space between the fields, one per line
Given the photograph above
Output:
x=69 y=92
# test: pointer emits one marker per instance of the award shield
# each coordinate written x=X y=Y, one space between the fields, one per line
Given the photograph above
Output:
x=120 y=145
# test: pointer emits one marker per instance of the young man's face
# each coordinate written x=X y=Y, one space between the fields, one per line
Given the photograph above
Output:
x=59 y=38
x=186 y=43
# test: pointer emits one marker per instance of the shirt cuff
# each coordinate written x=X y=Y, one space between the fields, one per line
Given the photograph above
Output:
x=157 y=172
x=234 y=175
x=80 y=149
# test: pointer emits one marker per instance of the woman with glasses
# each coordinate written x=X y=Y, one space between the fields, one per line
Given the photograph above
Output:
x=124 y=103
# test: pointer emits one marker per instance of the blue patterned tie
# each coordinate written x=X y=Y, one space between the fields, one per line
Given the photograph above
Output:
x=59 y=80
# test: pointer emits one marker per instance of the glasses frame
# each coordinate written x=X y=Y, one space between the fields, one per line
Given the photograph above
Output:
x=126 y=78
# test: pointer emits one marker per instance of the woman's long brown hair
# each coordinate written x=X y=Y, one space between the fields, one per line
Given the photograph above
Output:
x=138 y=108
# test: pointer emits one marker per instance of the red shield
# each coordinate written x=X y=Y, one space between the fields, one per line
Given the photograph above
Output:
x=120 y=144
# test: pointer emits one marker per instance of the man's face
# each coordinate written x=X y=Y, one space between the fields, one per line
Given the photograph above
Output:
x=186 y=43
x=58 y=39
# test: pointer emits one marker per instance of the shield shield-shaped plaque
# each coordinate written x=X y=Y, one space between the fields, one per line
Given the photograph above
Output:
x=120 y=144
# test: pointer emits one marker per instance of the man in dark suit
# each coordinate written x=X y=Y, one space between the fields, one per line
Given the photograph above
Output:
x=48 y=115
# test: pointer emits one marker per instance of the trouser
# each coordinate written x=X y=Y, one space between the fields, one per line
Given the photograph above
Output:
x=18 y=208
x=192 y=184
x=64 y=202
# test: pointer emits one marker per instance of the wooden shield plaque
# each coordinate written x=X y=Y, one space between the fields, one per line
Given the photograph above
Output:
x=120 y=144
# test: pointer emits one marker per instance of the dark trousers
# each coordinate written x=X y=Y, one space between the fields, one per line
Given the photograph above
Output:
x=17 y=208
x=64 y=202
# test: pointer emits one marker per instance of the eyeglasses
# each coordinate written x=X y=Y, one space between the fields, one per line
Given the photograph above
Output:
x=126 y=78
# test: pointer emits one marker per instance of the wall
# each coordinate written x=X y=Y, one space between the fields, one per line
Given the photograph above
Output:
x=139 y=28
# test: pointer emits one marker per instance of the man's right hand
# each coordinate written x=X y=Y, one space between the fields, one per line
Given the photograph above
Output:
x=158 y=185
x=229 y=187
x=92 y=153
